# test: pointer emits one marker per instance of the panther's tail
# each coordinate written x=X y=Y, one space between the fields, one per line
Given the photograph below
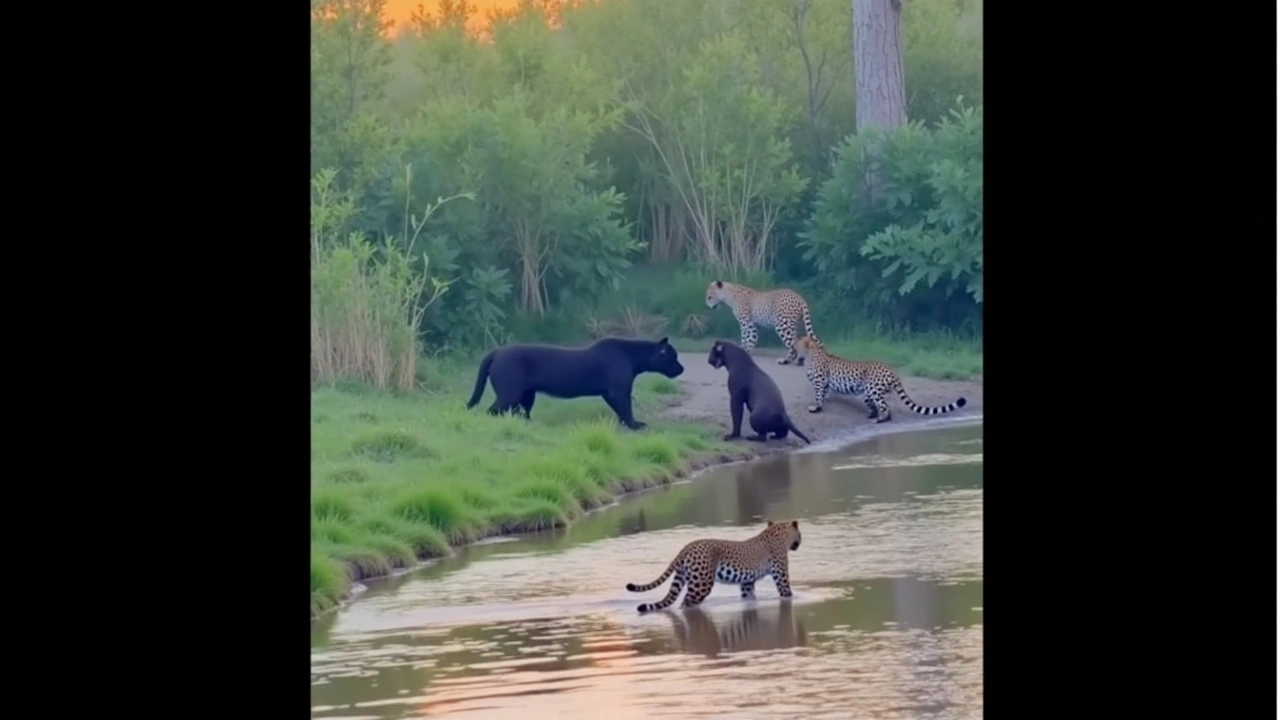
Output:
x=481 y=378
x=792 y=427
x=661 y=578
x=924 y=409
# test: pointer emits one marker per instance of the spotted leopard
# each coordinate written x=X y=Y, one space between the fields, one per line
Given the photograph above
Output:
x=870 y=378
x=781 y=309
x=703 y=563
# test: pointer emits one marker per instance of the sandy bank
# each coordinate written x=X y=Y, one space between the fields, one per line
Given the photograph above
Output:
x=705 y=398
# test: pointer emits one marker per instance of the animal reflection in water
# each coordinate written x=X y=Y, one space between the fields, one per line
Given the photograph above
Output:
x=753 y=628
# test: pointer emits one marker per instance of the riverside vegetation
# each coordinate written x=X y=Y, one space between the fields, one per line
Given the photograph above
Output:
x=400 y=477
x=566 y=170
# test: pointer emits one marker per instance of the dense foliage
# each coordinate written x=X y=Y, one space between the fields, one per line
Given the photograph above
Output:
x=922 y=231
x=594 y=145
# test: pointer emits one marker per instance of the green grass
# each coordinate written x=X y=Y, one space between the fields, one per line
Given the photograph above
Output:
x=939 y=357
x=397 y=477
x=932 y=356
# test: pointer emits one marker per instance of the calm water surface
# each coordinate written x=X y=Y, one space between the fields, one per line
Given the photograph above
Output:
x=886 y=621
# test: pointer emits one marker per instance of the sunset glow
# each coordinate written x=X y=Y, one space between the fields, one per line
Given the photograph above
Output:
x=399 y=11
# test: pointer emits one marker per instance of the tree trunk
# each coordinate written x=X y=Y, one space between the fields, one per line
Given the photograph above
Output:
x=877 y=60
x=878 y=77
x=531 y=269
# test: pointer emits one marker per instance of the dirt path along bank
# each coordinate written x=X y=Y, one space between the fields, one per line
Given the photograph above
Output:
x=705 y=398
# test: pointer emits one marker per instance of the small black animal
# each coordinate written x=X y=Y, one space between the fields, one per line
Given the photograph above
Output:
x=751 y=386
x=606 y=369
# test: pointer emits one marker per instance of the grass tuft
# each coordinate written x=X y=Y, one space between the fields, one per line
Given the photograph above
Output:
x=597 y=439
x=328 y=581
x=331 y=506
x=440 y=509
x=333 y=531
x=361 y=561
x=657 y=450
x=479 y=498
x=549 y=491
x=387 y=446
x=531 y=516
x=397 y=552
x=346 y=475
x=425 y=540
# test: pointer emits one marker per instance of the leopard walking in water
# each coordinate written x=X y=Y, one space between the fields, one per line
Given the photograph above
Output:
x=781 y=309
x=703 y=563
x=869 y=378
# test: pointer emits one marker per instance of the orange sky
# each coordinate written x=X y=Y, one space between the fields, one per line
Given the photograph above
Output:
x=398 y=11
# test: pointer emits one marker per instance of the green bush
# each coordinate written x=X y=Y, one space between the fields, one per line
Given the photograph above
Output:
x=919 y=237
x=366 y=302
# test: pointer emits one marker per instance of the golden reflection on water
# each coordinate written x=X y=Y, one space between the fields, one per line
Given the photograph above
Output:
x=886 y=623
x=726 y=664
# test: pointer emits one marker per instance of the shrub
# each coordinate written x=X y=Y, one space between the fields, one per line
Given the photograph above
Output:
x=909 y=247
x=365 y=304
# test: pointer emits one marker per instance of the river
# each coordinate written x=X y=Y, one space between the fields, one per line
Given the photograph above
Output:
x=886 y=621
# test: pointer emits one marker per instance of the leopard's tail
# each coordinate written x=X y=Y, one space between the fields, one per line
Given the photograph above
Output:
x=661 y=578
x=808 y=324
x=925 y=409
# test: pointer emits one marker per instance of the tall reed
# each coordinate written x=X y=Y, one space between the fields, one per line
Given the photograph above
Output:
x=367 y=302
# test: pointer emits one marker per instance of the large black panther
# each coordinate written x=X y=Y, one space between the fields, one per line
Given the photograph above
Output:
x=606 y=368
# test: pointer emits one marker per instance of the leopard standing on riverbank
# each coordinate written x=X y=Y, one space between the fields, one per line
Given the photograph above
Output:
x=781 y=309
x=703 y=563
x=870 y=378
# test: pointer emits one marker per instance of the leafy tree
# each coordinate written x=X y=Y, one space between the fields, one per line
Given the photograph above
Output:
x=597 y=134
x=349 y=60
x=534 y=179
x=451 y=60
x=942 y=42
x=732 y=178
